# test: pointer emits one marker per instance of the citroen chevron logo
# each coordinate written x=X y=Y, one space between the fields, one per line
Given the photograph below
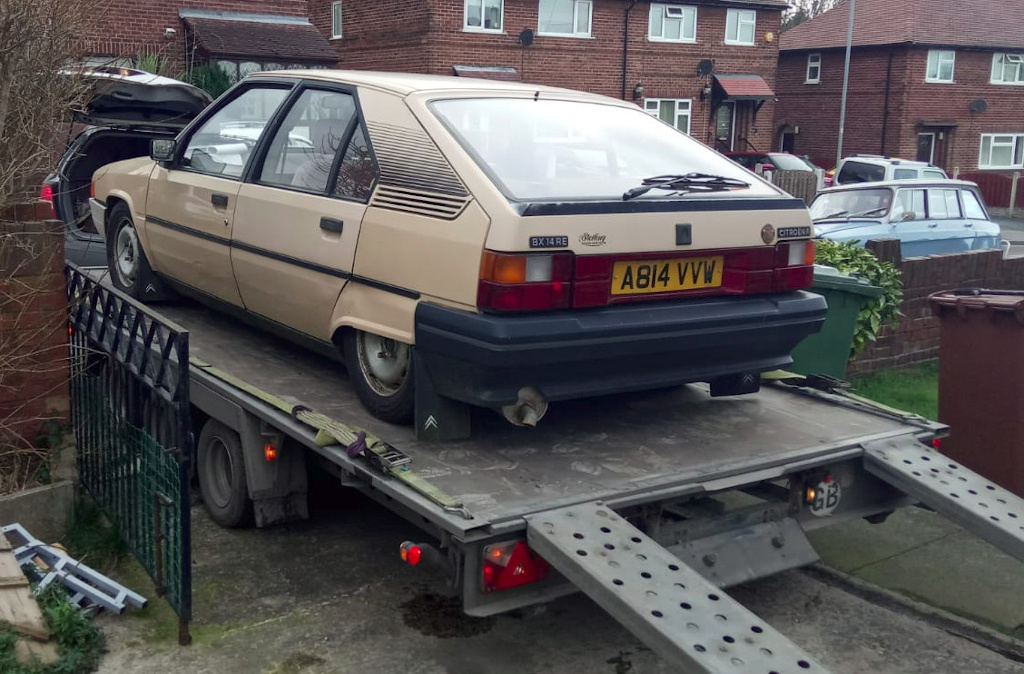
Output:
x=430 y=423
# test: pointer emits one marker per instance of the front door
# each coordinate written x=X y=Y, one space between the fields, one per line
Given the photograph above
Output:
x=725 y=127
x=191 y=203
x=297 y=221
x=926 y=147
x=787 y=142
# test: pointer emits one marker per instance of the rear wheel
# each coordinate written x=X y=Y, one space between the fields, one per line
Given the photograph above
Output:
x=381 y=373
x=222 y=475
x=129 y=268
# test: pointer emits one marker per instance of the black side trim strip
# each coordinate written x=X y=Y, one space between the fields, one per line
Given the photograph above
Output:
x=288 y=259
x=223 y=240
x=526 y=208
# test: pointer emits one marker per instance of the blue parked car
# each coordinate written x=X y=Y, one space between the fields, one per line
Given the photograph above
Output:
x=929 y=217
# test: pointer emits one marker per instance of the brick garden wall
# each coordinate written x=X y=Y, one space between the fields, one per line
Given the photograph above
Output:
x=917 y=337
x=33 y=326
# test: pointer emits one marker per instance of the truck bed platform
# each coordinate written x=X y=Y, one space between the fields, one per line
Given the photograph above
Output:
x=623 y=450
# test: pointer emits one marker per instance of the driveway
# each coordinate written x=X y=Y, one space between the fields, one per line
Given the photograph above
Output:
x=331 y=595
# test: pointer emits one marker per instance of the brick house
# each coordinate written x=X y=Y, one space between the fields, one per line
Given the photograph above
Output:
x=934 y=80
x=240 y=36
x=706 y=66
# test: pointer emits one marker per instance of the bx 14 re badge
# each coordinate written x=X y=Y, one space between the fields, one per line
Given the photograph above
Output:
x=549 y=242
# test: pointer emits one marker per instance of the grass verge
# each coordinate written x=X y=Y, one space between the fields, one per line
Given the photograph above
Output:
x=912 y=389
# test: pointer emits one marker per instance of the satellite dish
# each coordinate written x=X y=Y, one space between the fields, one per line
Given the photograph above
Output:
x=526 y=38
x=705 y=67
x=979 y=105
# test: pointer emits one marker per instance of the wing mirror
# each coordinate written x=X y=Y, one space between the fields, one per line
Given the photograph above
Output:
x=907 y=216
x=163 y=149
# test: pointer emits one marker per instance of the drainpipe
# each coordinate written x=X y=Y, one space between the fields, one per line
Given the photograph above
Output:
x=885 y=108
x=625 y=46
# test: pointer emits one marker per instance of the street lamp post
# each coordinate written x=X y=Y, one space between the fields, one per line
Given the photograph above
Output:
x=846 y=83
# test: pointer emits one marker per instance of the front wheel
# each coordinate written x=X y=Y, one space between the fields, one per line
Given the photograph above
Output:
x=381 y=373
x=129 y=268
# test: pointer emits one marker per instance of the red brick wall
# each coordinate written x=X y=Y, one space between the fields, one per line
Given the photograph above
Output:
x=33 y=329
x=390 y=34
x=917 y=337
x=122 y=28
x=815 y=107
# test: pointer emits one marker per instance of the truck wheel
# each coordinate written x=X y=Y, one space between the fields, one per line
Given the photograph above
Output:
x=381 y=373
x=129 y=268
x=222 y=475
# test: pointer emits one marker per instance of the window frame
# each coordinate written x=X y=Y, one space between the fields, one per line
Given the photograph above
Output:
x=663 y=8
x=232 y=95
x=675 y=121
x=739 y=14
x=337 y=17
x=255 y=168
x=817 y=64
x=1002 y=82
x=937 y=79
x=466 y=28
x=1016 y=149
x=575 y=21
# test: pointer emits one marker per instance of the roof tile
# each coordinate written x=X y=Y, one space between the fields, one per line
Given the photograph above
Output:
x=261 y=40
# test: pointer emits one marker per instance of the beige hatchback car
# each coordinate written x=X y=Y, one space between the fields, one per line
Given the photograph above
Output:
x=496 y=244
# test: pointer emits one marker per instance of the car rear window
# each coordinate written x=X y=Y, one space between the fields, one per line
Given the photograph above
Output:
x=554 y=150
x=859 y=172
x=787 y=162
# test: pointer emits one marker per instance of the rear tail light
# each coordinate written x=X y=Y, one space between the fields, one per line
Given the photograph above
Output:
x=46 y=194
x=524 y=282
x=511 y=564
x=794 y=265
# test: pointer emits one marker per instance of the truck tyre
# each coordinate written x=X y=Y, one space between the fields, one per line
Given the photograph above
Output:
x=129 y=268
x=380 y=370
x=222 y=482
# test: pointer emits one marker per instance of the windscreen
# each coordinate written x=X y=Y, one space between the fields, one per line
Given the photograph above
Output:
x=788 y=162
x=538 y=150
x=852 y=204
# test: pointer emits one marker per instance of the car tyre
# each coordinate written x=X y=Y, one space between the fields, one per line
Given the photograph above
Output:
x=129 y=268
x=222 y=480
x=382 y=374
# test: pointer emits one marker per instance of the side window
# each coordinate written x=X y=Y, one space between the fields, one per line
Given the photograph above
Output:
x=952 y=204
x=358 y=170
x=912 y=202
x=857 y=172
x=904 y=174
x=223 y=145
x=973 y=209
x=934 y=175
x=938 y=205
x=310 y=137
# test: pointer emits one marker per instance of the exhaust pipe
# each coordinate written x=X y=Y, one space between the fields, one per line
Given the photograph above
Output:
x=528 y=410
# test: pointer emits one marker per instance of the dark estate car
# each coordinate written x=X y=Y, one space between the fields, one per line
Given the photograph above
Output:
x=127 y=110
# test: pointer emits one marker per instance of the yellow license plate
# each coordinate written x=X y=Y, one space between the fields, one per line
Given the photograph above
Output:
x=665 y=276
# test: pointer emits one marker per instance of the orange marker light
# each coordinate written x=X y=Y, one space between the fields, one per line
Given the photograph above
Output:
x=269 y=452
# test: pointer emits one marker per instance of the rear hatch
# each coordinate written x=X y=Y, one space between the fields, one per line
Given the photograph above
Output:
x=128 y=98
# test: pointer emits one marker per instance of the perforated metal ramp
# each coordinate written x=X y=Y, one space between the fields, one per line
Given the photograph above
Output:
x=691 y=623
x=960 y=494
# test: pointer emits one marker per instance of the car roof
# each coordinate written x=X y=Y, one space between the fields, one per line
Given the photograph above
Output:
x=404 y=84
x=925 y=182
x=891 y=161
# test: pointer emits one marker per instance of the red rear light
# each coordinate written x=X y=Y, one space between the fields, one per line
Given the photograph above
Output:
x=46 y=194
x=410 y=553
x=524 y=282
x=508 y=565
x=794 y=265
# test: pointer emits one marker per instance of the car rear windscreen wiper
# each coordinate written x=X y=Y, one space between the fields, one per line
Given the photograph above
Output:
x=690 y=182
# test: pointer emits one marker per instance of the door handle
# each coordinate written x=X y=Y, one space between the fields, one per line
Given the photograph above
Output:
x=331 y=225
x=219 y=200
x=933 y=225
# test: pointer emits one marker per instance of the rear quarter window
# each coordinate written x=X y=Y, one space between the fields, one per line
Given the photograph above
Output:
x=904 y=174
x=972 y=206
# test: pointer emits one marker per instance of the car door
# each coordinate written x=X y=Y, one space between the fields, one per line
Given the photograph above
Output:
x=909 y=218
x=191 y=201
x=950 y=233
x=297 y=219
x=987 y=234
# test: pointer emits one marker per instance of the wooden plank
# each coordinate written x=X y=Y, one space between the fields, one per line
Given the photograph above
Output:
x=18 y=607
x=26 y=651
x=5 y=545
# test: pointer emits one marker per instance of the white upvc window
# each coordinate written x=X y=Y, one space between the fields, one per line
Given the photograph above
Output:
x=565 y=18
x=740 y=26
x=940 y=65
x=672 y=23
x=1001 y=151
x=813 y=69
x=483 y=16
x=335 y=20
x=1007 y=69
x=672 y=111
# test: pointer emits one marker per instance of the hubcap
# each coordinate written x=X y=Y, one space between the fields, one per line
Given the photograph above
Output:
x=221 y=473
x=384 y=363
x=126 y=253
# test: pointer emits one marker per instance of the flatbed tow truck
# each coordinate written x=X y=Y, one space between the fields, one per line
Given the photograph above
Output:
x=649 y=503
